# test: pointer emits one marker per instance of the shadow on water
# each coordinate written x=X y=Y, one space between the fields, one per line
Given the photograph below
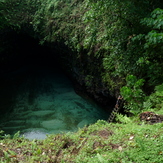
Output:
x=38 y=100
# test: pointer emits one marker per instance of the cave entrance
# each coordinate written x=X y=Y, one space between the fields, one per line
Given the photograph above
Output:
x=38 y=98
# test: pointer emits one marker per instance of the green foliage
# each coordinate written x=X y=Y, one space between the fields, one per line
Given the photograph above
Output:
x=4 y=136
x=123 y=119
x=3 y=21
x=16 y=135
x=100 y=142
x=155 y=100
x=155 y=21
x=107 y=40
x=147 y=62
x=150 y=57
x=1 y=134
x=89 y=80
x=95 y=31
x=133 y=94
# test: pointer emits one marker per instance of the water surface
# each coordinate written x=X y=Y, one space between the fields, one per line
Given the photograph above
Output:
x=38 y=100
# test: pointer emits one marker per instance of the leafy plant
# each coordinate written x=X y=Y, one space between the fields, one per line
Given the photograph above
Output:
x=133 y=94
x=16 y=135
x=123 y=119
x=1 y=134
x=151 y=57
x=155 y=100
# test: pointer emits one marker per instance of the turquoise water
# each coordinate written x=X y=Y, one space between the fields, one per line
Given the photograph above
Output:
x=41 y=100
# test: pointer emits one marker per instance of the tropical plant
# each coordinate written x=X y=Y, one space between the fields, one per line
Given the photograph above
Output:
x=133 y=94
x=155 y=100
x=150 y=60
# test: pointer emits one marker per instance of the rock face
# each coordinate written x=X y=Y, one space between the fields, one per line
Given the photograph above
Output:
x=97 y=92
x=86 y=72
x=151 y=117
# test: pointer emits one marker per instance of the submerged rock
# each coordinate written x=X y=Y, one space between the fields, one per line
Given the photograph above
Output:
x=82 y=123
x=53 y=124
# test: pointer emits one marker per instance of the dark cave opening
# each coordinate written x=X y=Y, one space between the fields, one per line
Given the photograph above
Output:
x=24 y=50
x=37 y=95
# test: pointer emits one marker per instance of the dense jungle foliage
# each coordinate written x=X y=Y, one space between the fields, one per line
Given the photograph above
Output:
x=112 y=44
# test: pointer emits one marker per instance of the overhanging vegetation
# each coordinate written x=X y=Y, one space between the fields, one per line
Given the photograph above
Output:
x=115 y=47
x=109 y=42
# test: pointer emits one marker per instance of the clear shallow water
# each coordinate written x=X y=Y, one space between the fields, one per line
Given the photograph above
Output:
x=42 y=101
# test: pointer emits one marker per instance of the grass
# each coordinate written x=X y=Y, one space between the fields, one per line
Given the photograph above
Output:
x=130 y=141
